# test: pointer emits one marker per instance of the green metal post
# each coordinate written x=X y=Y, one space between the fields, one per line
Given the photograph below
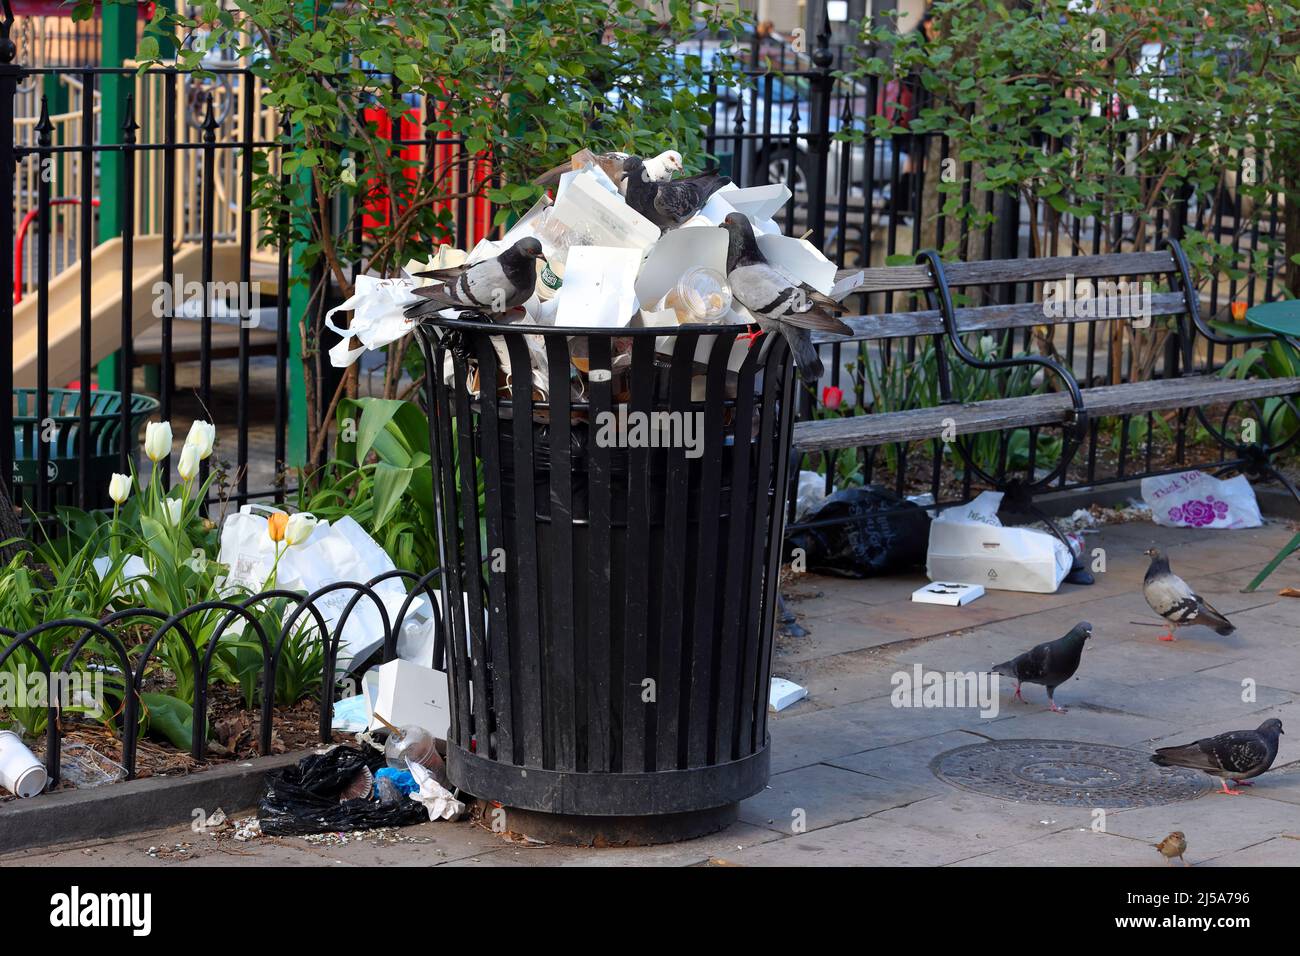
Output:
x=118 y=46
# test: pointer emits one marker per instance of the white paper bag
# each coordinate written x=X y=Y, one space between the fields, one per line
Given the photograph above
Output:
x=968 y=544
x=1193 y=499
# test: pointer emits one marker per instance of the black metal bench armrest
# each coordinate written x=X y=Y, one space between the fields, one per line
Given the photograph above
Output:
x=1199 y=325
x=1078 y=416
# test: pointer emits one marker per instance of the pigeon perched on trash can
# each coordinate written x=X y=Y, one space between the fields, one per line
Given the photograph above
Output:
x=490 y=287
x=668 y=204
x=659 y=168
x=1237 y=755
x=1171 y=598
x=1050 y=664
x=777 y=300
x=1174 y=845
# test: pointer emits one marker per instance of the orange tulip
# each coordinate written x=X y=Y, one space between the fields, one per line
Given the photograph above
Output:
x=1238 y=311
x=276 y=524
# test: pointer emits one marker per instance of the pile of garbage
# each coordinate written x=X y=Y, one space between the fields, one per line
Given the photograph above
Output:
x=623 y=244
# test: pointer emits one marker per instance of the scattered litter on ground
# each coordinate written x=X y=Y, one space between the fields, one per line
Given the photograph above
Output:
x=380 y=836
x=948 y=594
x=304 y=798
x=784 y=693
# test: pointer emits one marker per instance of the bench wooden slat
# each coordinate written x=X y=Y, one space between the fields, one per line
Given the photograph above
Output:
x=1042 y=409
x=996 y=271
x=895 y=325
x=889 y=278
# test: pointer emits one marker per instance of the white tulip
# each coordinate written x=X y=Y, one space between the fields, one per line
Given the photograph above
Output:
x=188 y=466
x=119 y=488
x=175 y=507
x=202 y=436
x=158 y=440
x=299 y=528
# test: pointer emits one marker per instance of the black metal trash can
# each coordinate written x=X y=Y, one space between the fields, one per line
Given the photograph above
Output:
x=610 y=646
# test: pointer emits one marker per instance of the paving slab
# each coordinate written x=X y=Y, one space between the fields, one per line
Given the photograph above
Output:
x=1214 y=824
x=735 y=838
x=1280 y=851
x=1081 y=846
x=818 y=796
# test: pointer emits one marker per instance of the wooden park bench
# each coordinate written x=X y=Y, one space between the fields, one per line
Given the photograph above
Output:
x=1062 y=399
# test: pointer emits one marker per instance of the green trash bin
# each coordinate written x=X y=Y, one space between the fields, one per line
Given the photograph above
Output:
x=64 y=462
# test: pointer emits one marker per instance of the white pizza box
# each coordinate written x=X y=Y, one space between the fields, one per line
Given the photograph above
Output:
x=948 y=594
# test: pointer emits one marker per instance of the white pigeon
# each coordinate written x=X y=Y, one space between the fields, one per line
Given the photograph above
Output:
x=1172 y=598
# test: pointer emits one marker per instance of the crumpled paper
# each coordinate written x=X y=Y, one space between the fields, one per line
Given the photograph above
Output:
x=436 y=798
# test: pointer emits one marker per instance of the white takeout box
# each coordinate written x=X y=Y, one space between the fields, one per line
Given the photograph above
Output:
x=801 y=259
x=757 y=202
x=410 y=694
x=678 y=251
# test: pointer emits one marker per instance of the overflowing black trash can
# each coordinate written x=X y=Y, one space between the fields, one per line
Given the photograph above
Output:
x=611 y=536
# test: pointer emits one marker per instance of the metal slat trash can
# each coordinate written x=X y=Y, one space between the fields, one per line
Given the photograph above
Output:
x=612 y=539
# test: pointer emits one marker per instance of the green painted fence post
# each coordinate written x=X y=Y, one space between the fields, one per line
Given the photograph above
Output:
x=118 y=46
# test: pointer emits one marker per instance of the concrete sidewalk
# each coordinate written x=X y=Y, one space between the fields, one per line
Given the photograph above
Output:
x=851 y=780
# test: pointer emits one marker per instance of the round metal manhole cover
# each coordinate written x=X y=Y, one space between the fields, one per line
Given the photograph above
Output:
x=1067 y=773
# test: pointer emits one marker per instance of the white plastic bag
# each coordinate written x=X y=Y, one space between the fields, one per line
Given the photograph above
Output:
x=378 y=308
x=1193 y=499
x=969 y=545
x=338 y=551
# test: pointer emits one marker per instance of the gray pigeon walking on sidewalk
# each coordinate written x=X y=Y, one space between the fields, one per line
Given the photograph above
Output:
x=1050 y=664
x=1237 y=755
x=490 y=287
x=1171 y=598
x=668 y=204
x=777 y=300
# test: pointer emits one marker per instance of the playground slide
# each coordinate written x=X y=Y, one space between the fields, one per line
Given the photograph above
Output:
x=105 y=304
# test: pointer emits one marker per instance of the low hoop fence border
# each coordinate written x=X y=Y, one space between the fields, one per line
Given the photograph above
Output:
x=133 y=672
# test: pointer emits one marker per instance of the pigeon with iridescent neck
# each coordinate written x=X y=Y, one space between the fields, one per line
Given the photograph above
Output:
x=490 y=287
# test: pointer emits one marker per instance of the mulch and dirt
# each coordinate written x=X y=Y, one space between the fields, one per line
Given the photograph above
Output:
x=233 y=737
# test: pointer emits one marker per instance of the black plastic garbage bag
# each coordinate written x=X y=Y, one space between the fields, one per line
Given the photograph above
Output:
x=304 y=798
x=875 y=532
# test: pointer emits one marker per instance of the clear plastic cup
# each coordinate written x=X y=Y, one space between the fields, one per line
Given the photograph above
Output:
x=414 y=744
x=701 y=295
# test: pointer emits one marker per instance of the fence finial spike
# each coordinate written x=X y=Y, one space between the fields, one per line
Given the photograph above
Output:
x=129 y=125
x=821 y=56
x=8 y=49
x=210 y=118
x=43 y=125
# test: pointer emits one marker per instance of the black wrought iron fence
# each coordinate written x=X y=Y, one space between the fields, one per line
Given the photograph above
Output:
x=132 y=652
x=179 y=173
